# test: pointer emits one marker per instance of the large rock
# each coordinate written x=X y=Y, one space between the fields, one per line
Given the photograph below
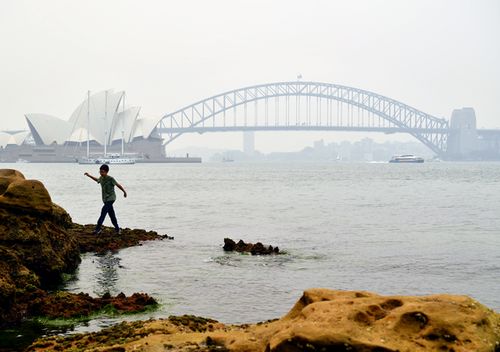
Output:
x=38 y=243
x=322 y=320
x=35 y=248
x=17 y=193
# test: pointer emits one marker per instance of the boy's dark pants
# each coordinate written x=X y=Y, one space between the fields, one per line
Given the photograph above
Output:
x=107 y=209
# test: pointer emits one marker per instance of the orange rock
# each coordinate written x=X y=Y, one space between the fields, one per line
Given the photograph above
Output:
x=322 y=320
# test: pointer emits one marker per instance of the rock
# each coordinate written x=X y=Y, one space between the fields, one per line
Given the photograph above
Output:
x=38 y=244
x=70 y=305
x=229 y=245
x=35 y=248
x=322 y=320
x=18 y=193
x=255 y=249
x=108 y=240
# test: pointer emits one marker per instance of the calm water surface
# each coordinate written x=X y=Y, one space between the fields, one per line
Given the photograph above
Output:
x=387 y=228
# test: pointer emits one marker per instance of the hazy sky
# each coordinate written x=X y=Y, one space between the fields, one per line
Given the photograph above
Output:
x=435 y=55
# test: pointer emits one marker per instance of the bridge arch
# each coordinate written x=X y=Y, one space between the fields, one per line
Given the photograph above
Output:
x=382 y=114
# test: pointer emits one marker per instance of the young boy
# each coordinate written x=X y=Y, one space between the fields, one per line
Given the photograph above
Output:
x=108 y=184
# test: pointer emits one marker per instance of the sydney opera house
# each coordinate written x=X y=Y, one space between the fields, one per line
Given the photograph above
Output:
x=102 y=120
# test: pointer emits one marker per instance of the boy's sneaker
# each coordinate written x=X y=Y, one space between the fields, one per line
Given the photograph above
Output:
x=97 y=231
x=118 y=231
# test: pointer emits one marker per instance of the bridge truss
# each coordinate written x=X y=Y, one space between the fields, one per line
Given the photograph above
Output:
x=305 y=106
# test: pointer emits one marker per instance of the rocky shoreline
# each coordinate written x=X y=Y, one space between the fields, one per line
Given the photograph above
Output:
x=39 y=243
x=321 y=320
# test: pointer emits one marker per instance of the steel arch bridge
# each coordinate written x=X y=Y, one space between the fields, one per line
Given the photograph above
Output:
x=305 y=106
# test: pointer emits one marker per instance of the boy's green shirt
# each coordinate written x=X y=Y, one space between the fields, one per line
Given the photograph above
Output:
x=108 y=184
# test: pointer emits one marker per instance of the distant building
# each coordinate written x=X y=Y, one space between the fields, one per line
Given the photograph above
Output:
x=102 y=119
x=98 y=118
x=249 y=143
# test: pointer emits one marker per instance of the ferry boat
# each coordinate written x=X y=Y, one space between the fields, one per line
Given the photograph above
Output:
x=110 y=159
x=116 y=159
x=408 y=158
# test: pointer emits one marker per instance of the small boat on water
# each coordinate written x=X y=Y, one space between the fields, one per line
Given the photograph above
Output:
x=110 y=159
x=408 y=158
x=116 y=159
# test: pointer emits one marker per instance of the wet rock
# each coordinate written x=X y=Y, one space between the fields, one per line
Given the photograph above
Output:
x=38 y=244
x=321 y=320
x=108 y=240
x=70 y=305
x=255 y=249
x=35 y=248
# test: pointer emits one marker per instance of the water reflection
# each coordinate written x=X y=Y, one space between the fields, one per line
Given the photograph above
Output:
x=107 y=273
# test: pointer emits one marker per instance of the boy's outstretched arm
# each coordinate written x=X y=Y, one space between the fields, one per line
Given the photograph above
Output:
x=123 y=189
x=92 y=177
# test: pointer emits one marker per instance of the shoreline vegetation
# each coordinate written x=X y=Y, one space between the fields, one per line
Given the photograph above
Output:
x=39 y=245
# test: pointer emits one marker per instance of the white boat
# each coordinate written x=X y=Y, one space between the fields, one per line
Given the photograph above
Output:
x=110 y=159
x=115 y=159
x=408 y=158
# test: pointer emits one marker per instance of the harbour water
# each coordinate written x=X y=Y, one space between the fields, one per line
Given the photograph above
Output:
x=389 y=228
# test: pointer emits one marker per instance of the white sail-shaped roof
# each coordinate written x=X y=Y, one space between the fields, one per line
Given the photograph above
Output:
x=6 y=139
x=101 y=109
x=20 y=137
x=102 y=114
x=47 y=129
x=13 y=138
x=80 y=135
x=144 y=126
x=125 y=122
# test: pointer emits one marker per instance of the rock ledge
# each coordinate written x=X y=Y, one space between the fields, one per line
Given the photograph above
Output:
x=321 y=320
x=38 y=244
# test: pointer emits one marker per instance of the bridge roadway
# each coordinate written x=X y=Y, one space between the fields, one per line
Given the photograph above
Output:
x=387 y=130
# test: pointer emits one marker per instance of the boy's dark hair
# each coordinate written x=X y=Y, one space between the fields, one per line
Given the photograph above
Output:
x=104 y=167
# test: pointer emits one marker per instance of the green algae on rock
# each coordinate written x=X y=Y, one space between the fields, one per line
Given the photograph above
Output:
x=39 y=244
x=35 y=247
x=68 y=305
